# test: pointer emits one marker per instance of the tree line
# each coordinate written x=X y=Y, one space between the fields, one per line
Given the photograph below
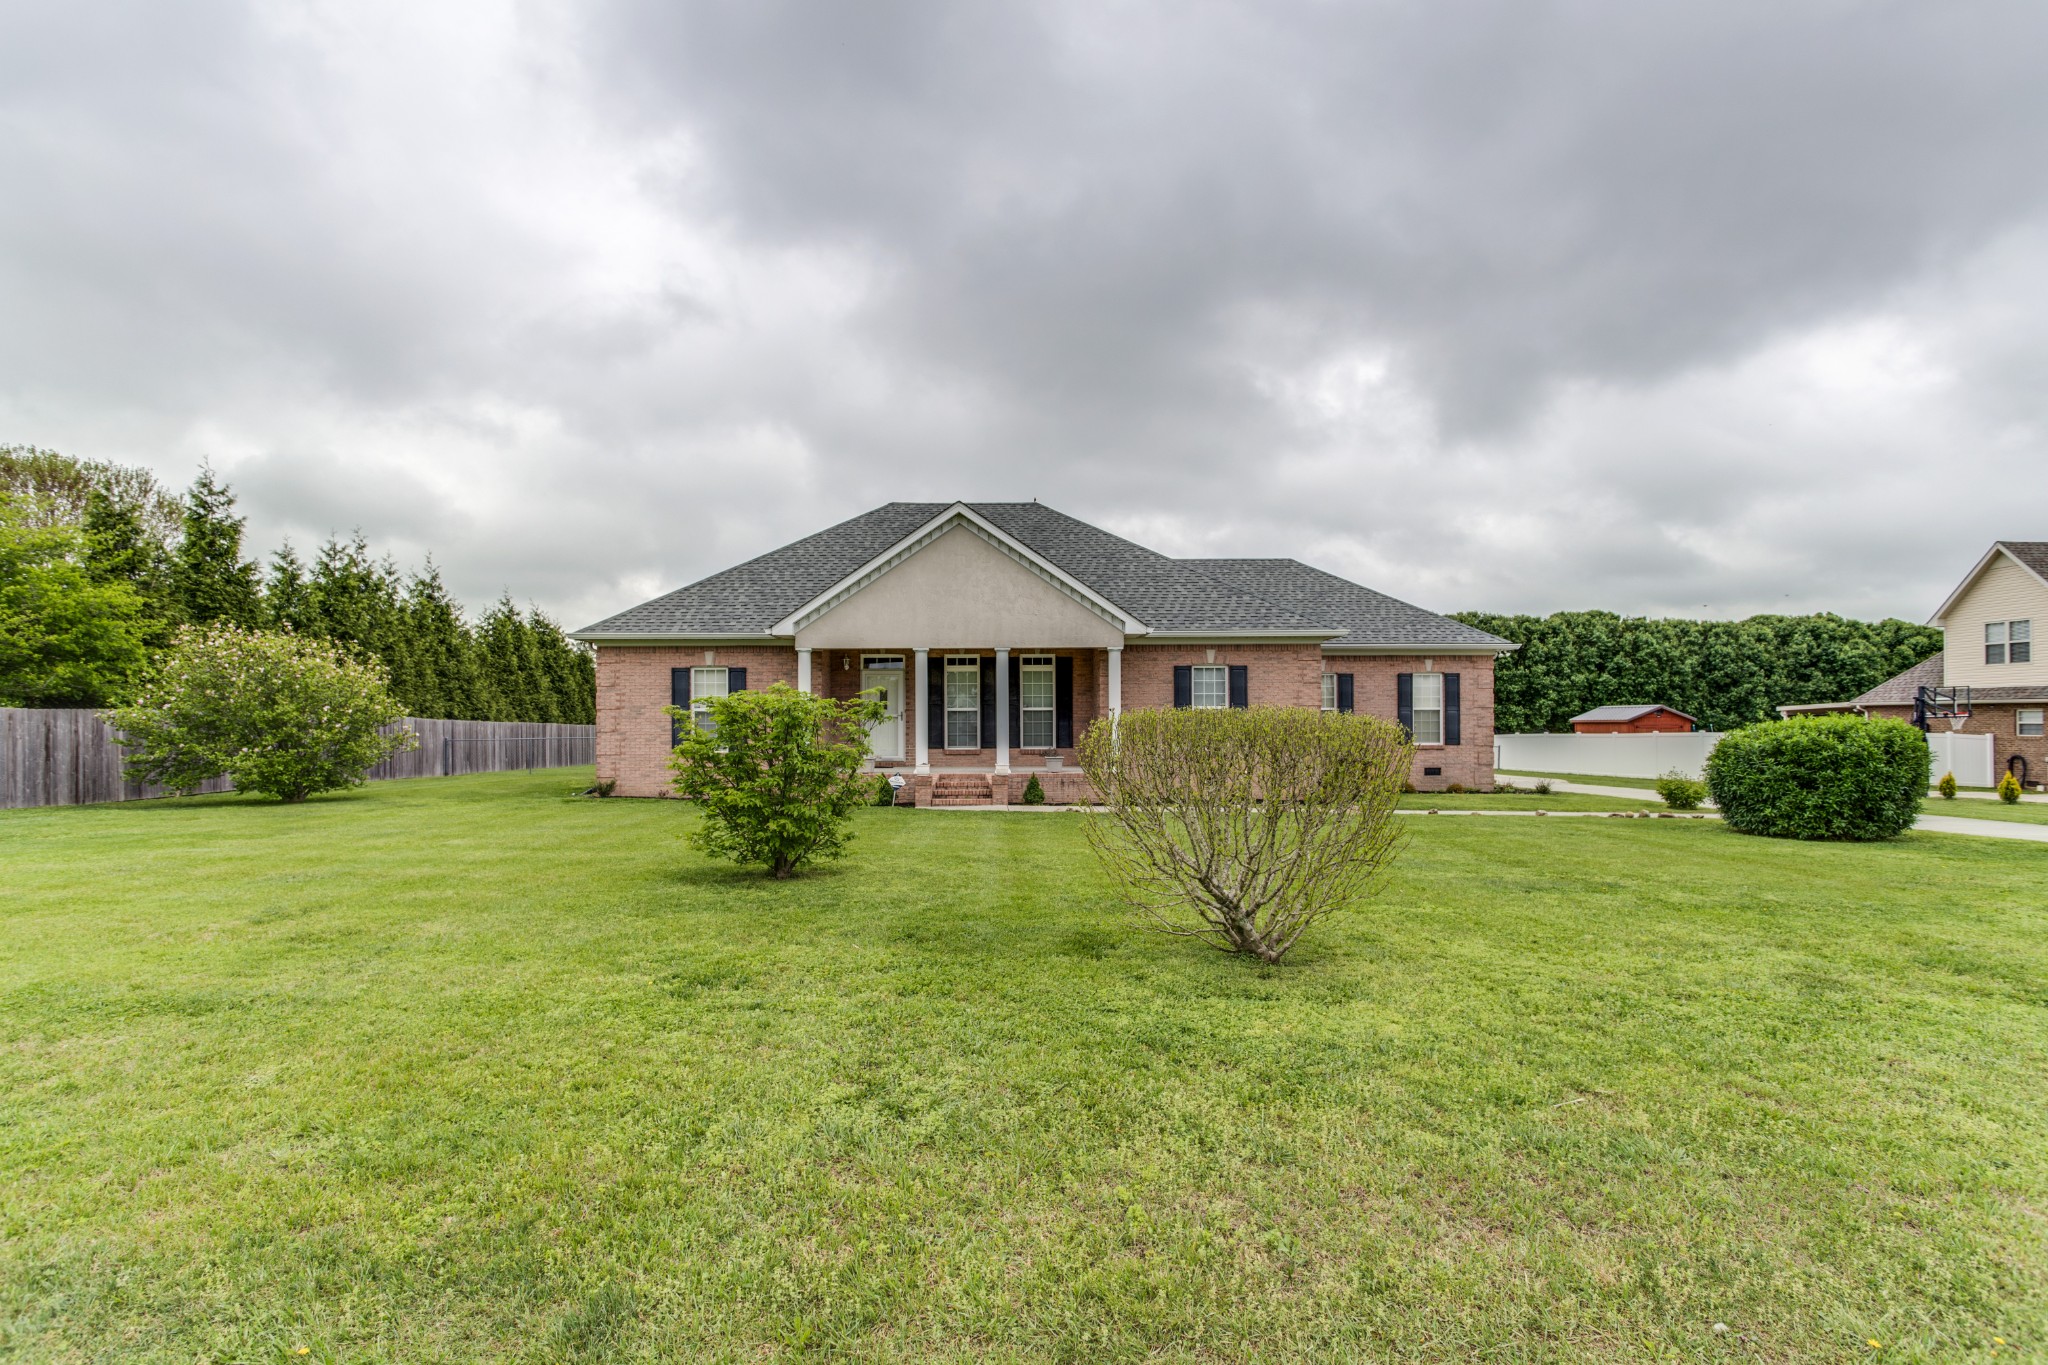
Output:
x=100 y=566
x=1724 y=674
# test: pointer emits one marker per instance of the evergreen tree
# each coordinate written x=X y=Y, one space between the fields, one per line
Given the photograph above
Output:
x=443 y=679
x=211 y=580
x=287 y=597
x=511 y=669
x=570 y=676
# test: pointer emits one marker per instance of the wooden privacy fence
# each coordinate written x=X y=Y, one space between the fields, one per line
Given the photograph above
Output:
x=73 y=758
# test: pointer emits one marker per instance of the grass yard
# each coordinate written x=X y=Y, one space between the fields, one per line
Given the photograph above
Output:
x=2026 y=812
x=472 y=1069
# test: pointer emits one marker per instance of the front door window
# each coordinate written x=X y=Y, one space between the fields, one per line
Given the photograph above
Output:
x=963 y=703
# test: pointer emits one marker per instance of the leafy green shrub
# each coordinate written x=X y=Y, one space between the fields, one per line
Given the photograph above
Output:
x=1542 y=787
x=1034 y=794
x=777 y=774
x=2009 y=789
x=604 y=786
x=1241 y=828
x=1820 y=777
x=1454 y=788
x=1947 y=786
x=885 y=793
x=1681 y=792
x=283 y=716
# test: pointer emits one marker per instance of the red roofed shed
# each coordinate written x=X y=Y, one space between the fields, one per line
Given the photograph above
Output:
x=1633 y=720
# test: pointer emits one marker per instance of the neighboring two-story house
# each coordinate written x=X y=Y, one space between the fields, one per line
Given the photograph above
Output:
x=996 y=633
x=1991 y=677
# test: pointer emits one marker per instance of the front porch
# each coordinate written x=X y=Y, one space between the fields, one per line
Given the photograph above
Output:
x=969 y=712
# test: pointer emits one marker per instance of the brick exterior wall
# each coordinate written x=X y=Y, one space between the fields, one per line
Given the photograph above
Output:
x=1292 y=675
x=2000 y=720
x=632 y=689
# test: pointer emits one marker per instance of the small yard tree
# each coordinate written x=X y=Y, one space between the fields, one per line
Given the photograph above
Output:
x=281 y=715
x=1243 y=827
x=777 y=774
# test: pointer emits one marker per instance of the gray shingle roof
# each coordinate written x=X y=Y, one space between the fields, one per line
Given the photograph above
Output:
x=2032 y=553
x=1369 y=619
x=1622 y=713
x=1169 y=595
x=1902 y=689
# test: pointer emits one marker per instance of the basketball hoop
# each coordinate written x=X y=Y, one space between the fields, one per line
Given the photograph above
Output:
x=1957 y=722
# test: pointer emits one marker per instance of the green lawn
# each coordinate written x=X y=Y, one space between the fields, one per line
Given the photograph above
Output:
x=469 y=1068
x=1523 y=801
x=2026 y=812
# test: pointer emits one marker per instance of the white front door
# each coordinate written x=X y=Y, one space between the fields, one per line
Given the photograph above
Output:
x=885 y=737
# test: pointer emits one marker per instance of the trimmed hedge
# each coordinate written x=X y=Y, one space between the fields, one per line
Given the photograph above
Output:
x=1821 y=777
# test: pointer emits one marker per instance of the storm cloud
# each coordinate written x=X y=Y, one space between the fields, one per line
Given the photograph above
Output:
x=1694 y=309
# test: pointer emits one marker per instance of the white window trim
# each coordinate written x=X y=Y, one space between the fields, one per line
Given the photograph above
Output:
x=1329 y=691
x=1038 y=663
x=963 y=663
x=700 y=698
x=2020 y=722
x=2014 y=633
x=1219 y=672
x=1416 y=710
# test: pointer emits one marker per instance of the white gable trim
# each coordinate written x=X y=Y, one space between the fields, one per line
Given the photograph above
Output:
x=958 y=516
x=1971 y=578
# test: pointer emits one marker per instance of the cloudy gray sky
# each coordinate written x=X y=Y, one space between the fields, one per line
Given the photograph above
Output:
x=1668 y=308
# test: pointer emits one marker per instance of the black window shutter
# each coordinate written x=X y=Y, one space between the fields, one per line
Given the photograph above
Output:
x=1345 y=695
x=988 y=701
x=1063 y=701
x=935 y=704
x=1183 y=686
x=735 y=679
x=1016 y=706
x=1240 y=686
x=1451 y=709
x=678 y=695
x=1404 y=701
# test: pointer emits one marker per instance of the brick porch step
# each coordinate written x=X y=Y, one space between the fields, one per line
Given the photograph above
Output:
x=962 y=789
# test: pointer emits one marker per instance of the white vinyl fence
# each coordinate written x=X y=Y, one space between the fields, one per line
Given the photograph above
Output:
x=1969 y=757
x=1606 y=755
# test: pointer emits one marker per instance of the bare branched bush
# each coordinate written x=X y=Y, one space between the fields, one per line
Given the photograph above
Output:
x=1243 y=827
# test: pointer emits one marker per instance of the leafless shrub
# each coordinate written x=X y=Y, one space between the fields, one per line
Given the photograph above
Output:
x=1243 y=827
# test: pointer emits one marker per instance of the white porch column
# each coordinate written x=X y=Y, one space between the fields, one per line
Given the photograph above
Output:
x=1002 y=710
x=923 y=694
x=803 y=670
x=1116 y=683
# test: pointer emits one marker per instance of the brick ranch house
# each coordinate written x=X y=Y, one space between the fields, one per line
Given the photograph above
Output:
x=1988 y=669
x=998 y=632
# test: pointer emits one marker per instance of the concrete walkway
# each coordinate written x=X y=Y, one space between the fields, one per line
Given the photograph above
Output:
x=1933 y=824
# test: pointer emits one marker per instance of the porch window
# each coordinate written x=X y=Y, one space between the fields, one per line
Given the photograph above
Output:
x=2030 y=722
x=706 y=685
x=963 y=702
x=1211 y=687
x=1329 y=691
x=1035 y=701
x=1429 y=708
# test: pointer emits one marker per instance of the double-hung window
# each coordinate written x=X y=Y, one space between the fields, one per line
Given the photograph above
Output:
x=1035 y=701
x=1329 y=691
x=2008 y=642
x=963 y=702
x=2030 y=722
x=1429 y=708
x=1210 y=689
x=706 y=685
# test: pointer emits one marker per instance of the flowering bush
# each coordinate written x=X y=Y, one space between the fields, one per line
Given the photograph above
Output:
x=281 y=715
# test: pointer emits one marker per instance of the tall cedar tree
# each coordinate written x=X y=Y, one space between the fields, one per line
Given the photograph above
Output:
x=120 y=547
x=212 y=580
x=67 y=639
x=443 y=680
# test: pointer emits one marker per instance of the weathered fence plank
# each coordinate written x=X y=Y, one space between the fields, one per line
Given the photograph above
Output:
x=73 y=758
